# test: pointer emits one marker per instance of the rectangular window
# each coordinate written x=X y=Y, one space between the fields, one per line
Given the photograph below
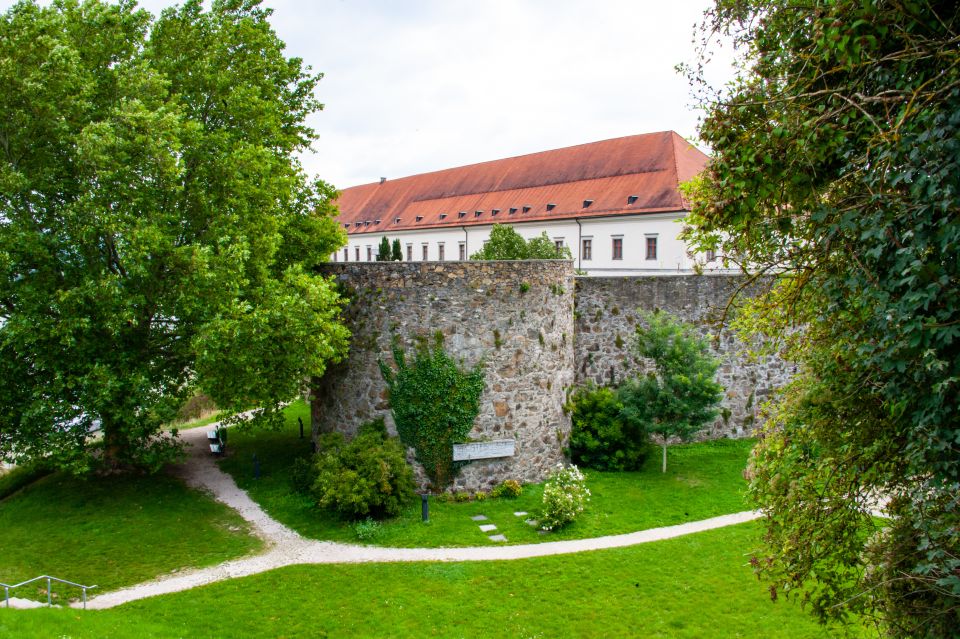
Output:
x=711 y=255
x=369 y=254
x=651 y=247
x=356 y=253
x=440 y=251
x=346 y=254
x=463 y=251
x=618 y=248
x=586 y=252
x=558 y=242
x=409 y=252
x=426 y=252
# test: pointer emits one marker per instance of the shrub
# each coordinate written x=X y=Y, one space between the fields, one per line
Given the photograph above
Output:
x=509 y=488
x=565 y=495
x=303 y=474
x=367 y=476
x=20 y=477
x=480 y=495
x=367 y=529
x=434 y=404
x=600 y=437
x=461 y=496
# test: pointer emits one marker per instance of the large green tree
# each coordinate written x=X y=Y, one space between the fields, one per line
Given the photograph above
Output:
x=836 y=163
x=157 y=233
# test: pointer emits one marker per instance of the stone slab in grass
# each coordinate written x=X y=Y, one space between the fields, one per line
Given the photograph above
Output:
x=479 y=518
x=497 y=538
x=520 y=513
x=531 y=522
x=488 y=527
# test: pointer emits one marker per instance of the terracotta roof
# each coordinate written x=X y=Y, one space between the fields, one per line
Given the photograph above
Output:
x=630 y=175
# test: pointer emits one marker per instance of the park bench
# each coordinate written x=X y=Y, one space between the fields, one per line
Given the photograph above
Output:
x=218 y=441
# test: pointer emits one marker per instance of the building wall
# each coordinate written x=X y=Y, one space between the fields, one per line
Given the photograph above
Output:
x=522 y=334
x=633 y=230
x=606 y=322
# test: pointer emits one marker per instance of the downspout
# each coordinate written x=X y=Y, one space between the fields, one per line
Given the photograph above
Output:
x=579 y=242
x=466 y=244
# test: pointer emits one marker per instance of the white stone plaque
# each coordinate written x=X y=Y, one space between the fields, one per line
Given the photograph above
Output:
x=484 y=450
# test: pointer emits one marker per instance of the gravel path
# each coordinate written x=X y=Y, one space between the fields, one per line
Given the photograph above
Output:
x=284 y=547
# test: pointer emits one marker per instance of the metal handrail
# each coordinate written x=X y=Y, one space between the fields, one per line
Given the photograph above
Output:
x=8 y=587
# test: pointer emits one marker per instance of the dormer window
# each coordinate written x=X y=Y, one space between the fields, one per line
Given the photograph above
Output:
x=462 y=214
x=632 y=198
x=551 y=206
x=526 y=209
x=396 y=220
x=347 y=225
x=376 y=221
x=587 y=203
x=494 y=211
x=443 y=216
x=366 y=223
x=358 y=224
x=513 y=210
x=419 y=217
x=477 y=213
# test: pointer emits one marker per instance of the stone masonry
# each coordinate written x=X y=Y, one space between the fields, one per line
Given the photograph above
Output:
x=606 y=321
x=515 y=317
x=538 y=332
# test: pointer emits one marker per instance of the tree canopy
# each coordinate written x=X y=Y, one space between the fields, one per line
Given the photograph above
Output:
x=157 y=233
x=506 y=244
x=836 y=163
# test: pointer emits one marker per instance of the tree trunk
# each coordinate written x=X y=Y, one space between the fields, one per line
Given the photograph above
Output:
x=664 y=454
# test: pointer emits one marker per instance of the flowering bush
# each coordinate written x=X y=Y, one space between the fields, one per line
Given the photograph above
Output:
x=508 y=488
x=565 y=495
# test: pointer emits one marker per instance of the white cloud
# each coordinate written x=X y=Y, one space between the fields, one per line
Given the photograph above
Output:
x=428 y=84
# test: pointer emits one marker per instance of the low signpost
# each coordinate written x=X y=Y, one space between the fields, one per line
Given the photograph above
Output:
x=484 y=450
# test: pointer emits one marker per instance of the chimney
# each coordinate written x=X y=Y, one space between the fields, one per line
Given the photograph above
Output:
x=382 y=180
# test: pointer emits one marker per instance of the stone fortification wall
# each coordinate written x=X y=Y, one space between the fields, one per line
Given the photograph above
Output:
x=606 y=320
x=517 y=317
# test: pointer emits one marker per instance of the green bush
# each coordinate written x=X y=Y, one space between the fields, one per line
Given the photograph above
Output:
x=365 y=477
x=367 y=529
x=19 y=477
x=600 y=437
x=509 y=488
x=303 y=474
x=565 y=496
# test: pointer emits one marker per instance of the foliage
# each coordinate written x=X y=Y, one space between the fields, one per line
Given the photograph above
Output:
x=158 y=234
x=600 y=437
x=18 y=477
x=565 y=495
x=837 y=164
x=367 y=476
x=396 y=254
x=680 y=395
x=367 y=529
x=509 y=488
x=461 y=496
x=506 y=244
x=383 y=251
x=434 y=404
x=303 y=475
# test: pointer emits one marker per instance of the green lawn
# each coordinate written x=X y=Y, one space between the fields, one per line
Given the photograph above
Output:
x=693 y=586
x=113 y=531
x=703 y=480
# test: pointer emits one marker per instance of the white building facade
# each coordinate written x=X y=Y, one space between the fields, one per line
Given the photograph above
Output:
x=615 y=204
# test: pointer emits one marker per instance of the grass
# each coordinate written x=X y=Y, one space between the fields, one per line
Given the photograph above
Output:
x=703 y=480
x=113 y=531
x=194 y=423
x=693 y=586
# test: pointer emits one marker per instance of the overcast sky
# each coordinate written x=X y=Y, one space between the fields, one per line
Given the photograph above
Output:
x=420 y=85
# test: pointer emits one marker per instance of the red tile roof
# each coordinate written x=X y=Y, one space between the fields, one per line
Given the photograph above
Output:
x=608 y=173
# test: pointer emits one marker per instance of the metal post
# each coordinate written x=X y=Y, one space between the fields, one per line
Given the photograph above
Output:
x=84 y=597
x=6 y=595
x=256 y=467
x=299 y=419
x=49 y=603
x=424 y=506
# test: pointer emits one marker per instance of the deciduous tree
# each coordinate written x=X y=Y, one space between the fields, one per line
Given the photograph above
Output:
x=506 y=244
x=836 y=163
x=157 y=233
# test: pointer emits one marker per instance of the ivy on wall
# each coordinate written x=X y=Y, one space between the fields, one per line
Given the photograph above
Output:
x=434 y=404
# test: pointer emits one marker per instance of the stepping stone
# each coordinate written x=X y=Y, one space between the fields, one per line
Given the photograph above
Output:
x=488 y=527
x=479 y=518
x=531 y=522
x=520 y=513
x=497 y=538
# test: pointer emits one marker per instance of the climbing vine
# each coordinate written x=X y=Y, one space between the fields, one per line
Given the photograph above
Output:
x=434 y=404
